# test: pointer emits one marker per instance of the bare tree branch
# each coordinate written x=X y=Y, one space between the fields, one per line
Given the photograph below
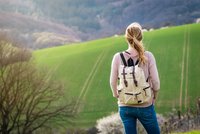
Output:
x=28 y=98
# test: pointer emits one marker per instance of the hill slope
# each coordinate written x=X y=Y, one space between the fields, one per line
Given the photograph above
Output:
x=85 y=69
x=35 y=33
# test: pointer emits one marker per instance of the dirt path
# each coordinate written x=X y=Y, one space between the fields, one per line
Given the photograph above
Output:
x=88 y=82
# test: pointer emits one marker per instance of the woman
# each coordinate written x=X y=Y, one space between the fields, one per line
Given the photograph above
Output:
x=130 y=112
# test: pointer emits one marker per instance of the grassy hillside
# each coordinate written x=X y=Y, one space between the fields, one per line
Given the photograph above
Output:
x=85 y=70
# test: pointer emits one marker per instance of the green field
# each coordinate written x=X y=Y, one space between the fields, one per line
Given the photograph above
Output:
x=85 y=70
x=191 y=132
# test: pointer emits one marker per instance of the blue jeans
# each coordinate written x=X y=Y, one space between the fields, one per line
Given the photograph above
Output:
x=146 y=115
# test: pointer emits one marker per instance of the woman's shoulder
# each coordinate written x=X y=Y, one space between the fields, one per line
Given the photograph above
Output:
x=149 y=54
x=150 y=57
x=116 y=56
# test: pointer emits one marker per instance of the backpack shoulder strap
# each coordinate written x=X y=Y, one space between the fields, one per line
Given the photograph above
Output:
x=137 y=62
x=123 y=59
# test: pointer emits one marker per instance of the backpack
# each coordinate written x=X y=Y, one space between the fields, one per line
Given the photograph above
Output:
x=132 y=88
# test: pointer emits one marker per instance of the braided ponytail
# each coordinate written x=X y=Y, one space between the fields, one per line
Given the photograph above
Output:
x=134 y=38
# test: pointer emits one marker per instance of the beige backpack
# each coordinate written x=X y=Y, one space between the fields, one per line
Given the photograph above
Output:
x=133 y=88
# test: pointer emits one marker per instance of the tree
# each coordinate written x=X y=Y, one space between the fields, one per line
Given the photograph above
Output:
x=29 y=99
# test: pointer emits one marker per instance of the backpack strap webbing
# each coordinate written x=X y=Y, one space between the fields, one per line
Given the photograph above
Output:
x=125 y=65
x=134 y=79
x=123 y=59
x=137 y=62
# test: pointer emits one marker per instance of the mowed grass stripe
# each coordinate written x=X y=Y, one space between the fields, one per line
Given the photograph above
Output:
x=95 y=73
x=89 y=81
x=167 y=48
x=194 y=69
x=187 y=67
x=182 y=68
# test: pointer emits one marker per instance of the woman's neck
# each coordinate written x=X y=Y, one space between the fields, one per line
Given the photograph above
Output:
x=133 y=52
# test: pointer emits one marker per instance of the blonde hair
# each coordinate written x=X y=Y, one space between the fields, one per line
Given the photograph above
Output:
x=134 y=37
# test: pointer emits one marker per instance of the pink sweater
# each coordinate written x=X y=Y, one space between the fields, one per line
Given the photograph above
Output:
x=150 y=71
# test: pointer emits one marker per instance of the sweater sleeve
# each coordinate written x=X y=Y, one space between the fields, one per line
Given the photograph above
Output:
x=114 y=74
x=153 y=73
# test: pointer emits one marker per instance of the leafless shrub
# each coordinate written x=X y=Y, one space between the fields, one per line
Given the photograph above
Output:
x=112 y=124
x=181 y=122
